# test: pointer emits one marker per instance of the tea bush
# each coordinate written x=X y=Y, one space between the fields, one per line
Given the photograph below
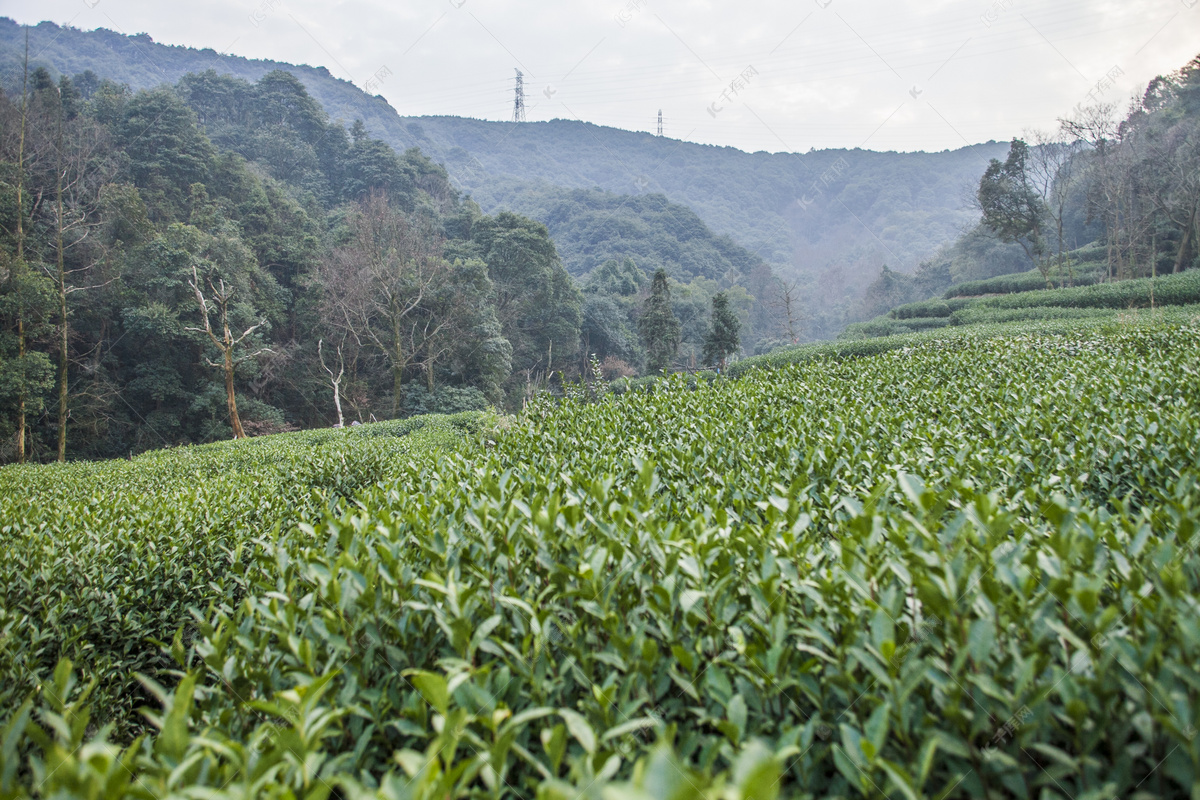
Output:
x=98 y=561
x=961 y=567
x=1044 y=322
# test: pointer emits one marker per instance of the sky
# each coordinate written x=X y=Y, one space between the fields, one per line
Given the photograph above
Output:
x=878 y=74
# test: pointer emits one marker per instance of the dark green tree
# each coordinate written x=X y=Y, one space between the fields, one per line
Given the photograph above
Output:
x=1012 y=208
x=166 y=149
x=722 y=339
x=537 y=303
x=659 y=329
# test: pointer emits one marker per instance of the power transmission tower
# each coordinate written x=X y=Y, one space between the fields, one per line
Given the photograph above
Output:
x=660 y=122
x=519 y=99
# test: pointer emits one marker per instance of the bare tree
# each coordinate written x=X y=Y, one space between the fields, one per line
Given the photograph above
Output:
x=378 y=287
x=1053 y=171
x=227 y=343
x=1113 y=197
x=334 y=380
x=1170 y=174
x=788 y=299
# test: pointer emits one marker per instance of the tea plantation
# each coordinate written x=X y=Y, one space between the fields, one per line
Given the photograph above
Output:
x=960 y=564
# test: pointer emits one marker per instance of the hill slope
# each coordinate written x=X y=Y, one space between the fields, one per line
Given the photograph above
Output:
x=824 y=210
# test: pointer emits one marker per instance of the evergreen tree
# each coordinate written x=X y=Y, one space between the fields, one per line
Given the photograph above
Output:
x=722 y=339
x=658 y=326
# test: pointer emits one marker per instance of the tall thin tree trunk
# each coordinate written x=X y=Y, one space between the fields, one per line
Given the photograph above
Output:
x=1187 y=240
x=64 y=337
x=20 y=265
x=234 y=420
x=337 y=402
x=397 y=366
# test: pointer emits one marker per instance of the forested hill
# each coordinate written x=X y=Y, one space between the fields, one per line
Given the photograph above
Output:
x=839 y=215
x=811 y=210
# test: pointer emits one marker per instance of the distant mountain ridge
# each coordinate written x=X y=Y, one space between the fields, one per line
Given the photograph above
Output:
x=893 y=208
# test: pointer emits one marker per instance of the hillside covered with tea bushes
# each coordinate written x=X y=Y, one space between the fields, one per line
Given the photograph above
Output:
x=962 y=567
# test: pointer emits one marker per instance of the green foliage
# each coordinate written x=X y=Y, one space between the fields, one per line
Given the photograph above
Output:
x=722 y=340
x=998 y=600
x=893 y=339
x=113 y=556
x=1168 y=290
x=537 y=303
x=925 y=308
x=884 y=326
x=1011 y=206
x=981 y=315
x=658 y=327
x=1094 y=301
x=1030 y=281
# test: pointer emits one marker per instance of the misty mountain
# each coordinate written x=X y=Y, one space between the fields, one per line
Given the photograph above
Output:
x=833 y=217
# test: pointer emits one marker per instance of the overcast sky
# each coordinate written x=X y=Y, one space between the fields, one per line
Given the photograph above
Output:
x=879 y=74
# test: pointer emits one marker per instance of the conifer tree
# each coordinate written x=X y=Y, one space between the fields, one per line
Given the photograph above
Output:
x=722 y=339
x=660 y=330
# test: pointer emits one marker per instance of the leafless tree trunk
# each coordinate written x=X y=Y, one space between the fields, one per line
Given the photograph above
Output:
x=1053 y=168
x=1095 y=127
x=379 y=285
x=788 y=301
x=20 y=265
x=226 y=343
x=335 y=380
